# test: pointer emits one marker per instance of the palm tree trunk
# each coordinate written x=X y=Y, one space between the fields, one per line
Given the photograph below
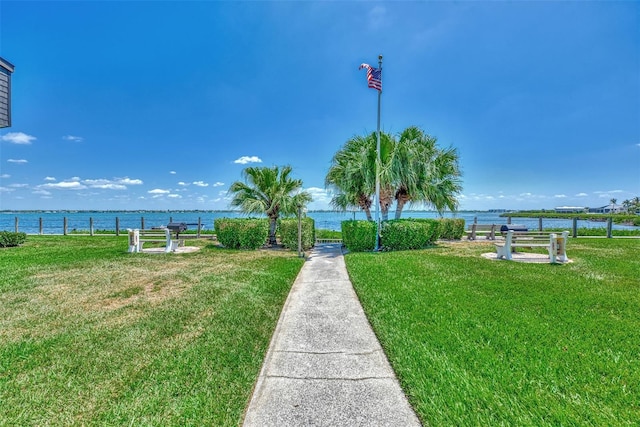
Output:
x=386 y=197
x=273 y=222
x=399 y=206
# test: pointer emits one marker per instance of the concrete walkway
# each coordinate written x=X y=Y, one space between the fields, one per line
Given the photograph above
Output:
x=325 y=366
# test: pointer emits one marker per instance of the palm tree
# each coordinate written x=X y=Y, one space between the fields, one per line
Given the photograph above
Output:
x=351 y=176
x=270 y=191
x=413 y=169
x=425 y=173
x=613 y=203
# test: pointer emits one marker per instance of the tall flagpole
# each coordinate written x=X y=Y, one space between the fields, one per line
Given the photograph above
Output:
x=377 y=246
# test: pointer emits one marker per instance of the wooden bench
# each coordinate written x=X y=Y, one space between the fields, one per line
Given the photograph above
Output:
x=488 y=229
x=556 y=244
x=137 y=238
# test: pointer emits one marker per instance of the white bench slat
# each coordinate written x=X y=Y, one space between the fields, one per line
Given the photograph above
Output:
x=138 y=237
x=555 y=243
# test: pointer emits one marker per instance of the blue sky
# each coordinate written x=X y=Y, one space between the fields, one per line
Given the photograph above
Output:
x=160 y=105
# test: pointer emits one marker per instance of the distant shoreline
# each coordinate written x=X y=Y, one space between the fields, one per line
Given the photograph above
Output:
x=217 y=211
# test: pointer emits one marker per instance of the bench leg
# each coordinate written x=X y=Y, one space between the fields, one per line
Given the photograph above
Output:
x=562 y=247
x=503 y=252
x=134 y=240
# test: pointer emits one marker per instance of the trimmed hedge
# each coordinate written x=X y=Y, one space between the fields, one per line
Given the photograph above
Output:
x=10 y=238
x=242 y=233
x=289 y=233
x=405 y=234
x=451 y=228
x=400 y=234
x=359 y=236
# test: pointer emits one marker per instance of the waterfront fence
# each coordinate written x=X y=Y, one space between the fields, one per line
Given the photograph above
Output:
x=91 y=230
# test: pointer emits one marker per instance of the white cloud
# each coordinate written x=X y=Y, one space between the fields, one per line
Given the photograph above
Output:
x=96 y=182
x=49 y=178
x=174 y=196
x=42 y=192
x=6 y=189
x=184 y=184
x=200 y=183
x=73 y=138
x=129 y=181
x=248 y=159
x=19 y=185
x=19 y=161
x=64 y=185
x=560 y=196
x=218 y=184
x=18 y=138
x=172 y=172
x=5 y=176
x=318 y=193
x=158 y=191
x=110 y=186
x=581 y=195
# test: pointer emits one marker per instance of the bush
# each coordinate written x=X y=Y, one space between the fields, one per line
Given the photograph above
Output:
x=242 y=233
x=359 y=236
x=405 y=234
x=450 y=228
x=9 y=238
x=289 y=233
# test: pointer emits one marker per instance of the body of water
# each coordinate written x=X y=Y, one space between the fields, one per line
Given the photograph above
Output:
x=53 y=222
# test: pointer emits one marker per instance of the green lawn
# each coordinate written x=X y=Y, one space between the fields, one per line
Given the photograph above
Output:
x=481 y=342
x=92 y=335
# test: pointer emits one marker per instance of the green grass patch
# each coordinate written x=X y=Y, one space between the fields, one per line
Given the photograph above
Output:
x=328 y=234
x=92 y=335
x=481 y=342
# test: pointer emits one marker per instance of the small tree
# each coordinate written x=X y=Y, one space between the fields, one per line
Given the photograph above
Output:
x=269 y=191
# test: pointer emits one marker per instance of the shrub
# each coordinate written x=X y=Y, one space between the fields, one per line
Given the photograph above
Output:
x=242 y=233
x=289 y=233
x=9 y=238
x=359 y=236
x=450 y=228
x=405 y=234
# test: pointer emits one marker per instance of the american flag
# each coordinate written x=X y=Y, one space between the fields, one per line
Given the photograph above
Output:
x=374 y=76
